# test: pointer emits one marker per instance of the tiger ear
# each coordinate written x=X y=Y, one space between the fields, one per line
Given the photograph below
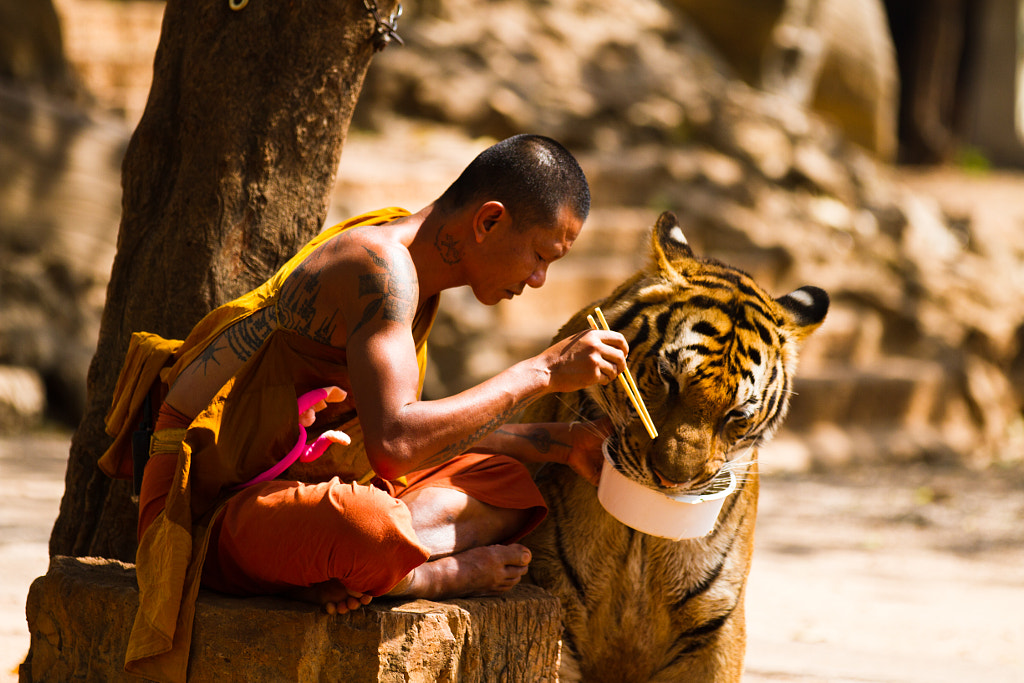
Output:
x=805 y=308
x=668 y=243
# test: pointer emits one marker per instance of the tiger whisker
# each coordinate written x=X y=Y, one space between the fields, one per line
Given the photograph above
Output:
x=740 y=464
x=583 y=419
x=619 y=420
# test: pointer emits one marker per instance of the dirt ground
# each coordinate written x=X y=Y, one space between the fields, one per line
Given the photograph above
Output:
x=908 y=576
x=885 y=574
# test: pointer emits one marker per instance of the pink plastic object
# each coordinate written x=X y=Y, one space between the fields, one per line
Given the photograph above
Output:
x=300 y=451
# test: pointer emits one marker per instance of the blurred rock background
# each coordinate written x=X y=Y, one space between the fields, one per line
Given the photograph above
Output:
x=868 y=148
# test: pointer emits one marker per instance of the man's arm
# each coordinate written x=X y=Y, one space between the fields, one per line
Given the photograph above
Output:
x=576 y=444
x=402 y=433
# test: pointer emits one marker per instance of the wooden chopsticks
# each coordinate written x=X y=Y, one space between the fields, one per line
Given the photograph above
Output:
x=626 y=380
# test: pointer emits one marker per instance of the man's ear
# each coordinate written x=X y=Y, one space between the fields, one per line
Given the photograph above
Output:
x=487 y=216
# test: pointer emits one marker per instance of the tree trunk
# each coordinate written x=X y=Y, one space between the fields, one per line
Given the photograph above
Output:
x=226 y=176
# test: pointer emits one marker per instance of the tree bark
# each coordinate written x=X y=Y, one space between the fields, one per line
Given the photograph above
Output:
x=227 y=174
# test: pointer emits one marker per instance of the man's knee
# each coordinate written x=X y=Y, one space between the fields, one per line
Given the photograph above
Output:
x=290 y=534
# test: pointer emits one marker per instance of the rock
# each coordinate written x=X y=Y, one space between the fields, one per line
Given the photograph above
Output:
x=765 y=145
x=837 y=57
x=22 y=399
x=80 y=614
x=60 y=204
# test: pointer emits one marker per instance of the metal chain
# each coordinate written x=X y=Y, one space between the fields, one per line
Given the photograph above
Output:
x=385 y=30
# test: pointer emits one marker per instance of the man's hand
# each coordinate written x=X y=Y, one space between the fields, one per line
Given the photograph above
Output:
x=334 y=395
x=591 y=357
x=308 y=417
x=585 y=456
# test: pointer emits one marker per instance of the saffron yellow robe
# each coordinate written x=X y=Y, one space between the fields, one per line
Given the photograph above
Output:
x=246 y=428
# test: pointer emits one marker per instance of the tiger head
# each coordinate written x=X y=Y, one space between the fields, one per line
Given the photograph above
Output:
x=713 y=356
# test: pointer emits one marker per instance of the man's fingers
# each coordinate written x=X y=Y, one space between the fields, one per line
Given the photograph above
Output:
x=338 y=437
x=334 y=395
x=611 y=338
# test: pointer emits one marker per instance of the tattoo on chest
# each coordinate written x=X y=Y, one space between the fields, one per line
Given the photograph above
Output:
x=447 y=246
x=391 y=294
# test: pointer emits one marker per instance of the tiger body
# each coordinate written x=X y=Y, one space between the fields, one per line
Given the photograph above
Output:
x=713 y=356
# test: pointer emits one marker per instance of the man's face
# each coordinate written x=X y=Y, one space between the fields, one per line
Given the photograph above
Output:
x=517 y=258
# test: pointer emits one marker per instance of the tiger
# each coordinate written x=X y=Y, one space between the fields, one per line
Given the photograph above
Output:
x=714 y=358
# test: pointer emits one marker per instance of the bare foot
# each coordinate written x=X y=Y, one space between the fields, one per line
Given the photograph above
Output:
x=487 y=570
x=335 y=598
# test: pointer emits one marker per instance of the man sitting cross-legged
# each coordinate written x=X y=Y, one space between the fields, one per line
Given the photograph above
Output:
x=449 y=493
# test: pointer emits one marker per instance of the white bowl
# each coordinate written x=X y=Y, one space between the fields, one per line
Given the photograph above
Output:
x=674 y=516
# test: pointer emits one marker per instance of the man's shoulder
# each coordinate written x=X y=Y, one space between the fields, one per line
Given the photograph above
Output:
x=373 y=246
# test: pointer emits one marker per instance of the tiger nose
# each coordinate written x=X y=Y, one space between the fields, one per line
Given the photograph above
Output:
x=674 y=469
x=691 y=483
x=665 y=482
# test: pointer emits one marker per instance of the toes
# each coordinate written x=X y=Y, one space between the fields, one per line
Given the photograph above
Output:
x=509 y=582
x=519 y=555
x=348 y=601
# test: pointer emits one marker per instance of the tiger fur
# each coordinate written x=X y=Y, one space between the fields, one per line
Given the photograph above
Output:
x=714 y=358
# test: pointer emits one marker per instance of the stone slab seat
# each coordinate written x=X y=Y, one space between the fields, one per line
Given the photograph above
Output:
x=81 y=611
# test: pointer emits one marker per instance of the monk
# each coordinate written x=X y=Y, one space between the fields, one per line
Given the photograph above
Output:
x=446 y=492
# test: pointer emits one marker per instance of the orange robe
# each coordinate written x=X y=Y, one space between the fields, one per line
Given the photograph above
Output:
x=248 y=426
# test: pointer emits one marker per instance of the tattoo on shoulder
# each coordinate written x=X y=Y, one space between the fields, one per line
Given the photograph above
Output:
x=447 y=246
x=392 y=293
x=377 y=260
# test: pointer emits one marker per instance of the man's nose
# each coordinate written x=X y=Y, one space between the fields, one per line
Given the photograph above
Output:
x=538 y=277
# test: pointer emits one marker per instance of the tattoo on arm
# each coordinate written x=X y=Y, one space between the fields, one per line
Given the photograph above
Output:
x=540 y=438
x=246 y=336
x=208 y=355
x=392 y=292
x=243 y=339
x=446 y=454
